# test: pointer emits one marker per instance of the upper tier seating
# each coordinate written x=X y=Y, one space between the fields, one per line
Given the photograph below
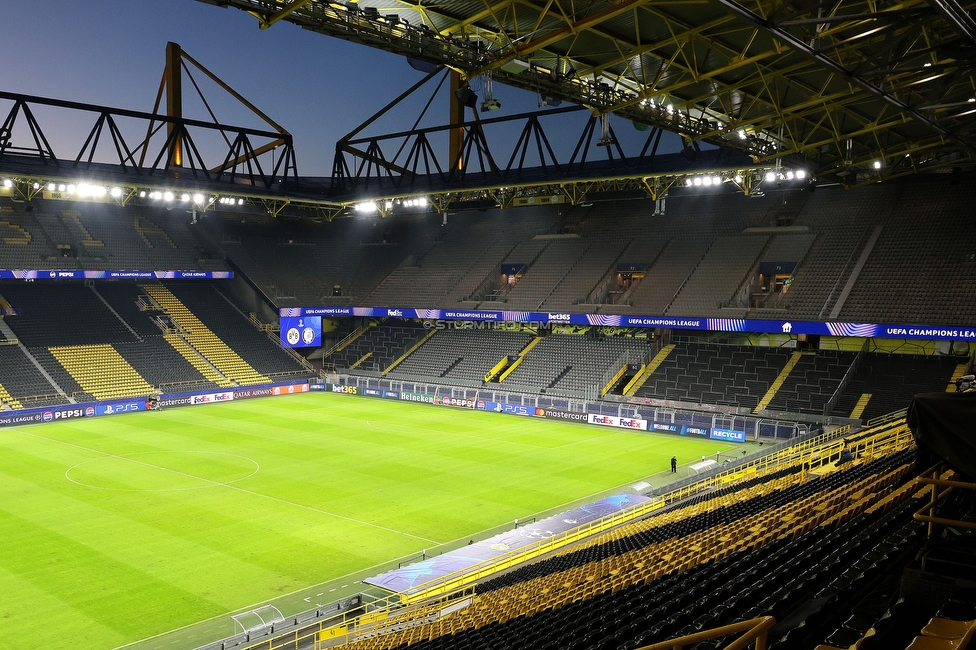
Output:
x=221 y=317
x=924 y=259
x=61 y=313
x=720 y=272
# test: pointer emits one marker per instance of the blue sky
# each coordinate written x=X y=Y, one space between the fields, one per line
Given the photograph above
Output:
x=112 y=53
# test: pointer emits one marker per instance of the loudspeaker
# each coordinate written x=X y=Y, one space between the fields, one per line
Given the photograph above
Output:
x=466 y=96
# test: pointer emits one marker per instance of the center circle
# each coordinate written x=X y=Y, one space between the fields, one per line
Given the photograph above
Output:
x=162 y=471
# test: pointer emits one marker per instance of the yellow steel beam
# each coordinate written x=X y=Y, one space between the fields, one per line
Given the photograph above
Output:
x=533 y=45
x=265 y=22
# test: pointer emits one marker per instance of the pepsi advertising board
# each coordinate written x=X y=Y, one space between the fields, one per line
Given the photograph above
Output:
x=301 y=332
x=728 y=435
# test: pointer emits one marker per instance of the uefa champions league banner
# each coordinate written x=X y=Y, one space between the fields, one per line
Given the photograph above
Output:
x=72 y=274
x=861 y=330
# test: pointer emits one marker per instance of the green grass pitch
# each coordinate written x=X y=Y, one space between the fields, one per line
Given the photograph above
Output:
x=114 y=530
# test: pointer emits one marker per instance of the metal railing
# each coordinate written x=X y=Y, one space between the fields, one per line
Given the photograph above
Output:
x=933 y=478
x=751 y=631
x=886 y=418
x=848 y=376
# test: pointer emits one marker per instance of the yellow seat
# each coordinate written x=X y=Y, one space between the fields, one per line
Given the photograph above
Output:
x=946 y=628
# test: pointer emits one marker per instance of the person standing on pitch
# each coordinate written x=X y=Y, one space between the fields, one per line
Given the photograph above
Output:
x=674 y=464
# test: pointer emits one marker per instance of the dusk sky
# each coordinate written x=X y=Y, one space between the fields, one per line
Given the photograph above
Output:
x=112 y=53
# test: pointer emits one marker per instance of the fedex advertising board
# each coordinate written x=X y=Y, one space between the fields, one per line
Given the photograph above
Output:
x=613 y=421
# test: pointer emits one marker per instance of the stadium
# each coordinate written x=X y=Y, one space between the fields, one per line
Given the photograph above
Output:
x=680 y=356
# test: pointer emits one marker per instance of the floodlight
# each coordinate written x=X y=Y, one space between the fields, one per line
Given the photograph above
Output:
x=185 y=198
x=240 y=201
x=142 y=194
x=770 y=177
x=687 y=182
x=737 y=179
x=167 y=196
x=789 y=175
x=490 y=105
x=116 y=192
x=62 y=188
x=8 y=183
x=198 y=198
x=697 y=181
x=877 y=164
x=707 y=180
x=742 y=134
x=716 y=180
x=801 y=174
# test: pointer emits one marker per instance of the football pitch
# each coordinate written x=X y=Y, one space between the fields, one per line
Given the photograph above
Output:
x=117 y=530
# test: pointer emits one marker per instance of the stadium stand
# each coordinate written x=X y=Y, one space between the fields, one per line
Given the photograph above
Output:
x=718 y=275
x=460 y=357
x=926 y=267
x=377 y=348
x=891 y=380
x=781 y=543
x=60 y=314
x=660 y=285
x=573 y=365
x=218 y=314
x=716 y=374
x=812 y=382
x=580 y=280
x=542 y=276
x=23 y=382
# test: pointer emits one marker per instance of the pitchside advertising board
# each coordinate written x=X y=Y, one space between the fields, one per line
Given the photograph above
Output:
x=114 y=407
x=534 y=411
x=69 y=274
x=861 y=330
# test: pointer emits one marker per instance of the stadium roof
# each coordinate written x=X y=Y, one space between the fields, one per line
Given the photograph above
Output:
x=854 y=88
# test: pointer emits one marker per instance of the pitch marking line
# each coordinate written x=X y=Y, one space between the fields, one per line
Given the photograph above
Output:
x=398 y=428
x=257 y=468
x=239 y=489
